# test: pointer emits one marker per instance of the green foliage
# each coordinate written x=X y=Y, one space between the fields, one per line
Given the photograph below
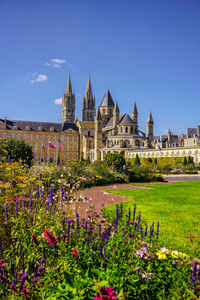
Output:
x=115 y=160
x=16 y=150
x=190 y=160
x=185 y=161
x=155 y=161
x=88 y=160
x=137 y=160
x=150 y=160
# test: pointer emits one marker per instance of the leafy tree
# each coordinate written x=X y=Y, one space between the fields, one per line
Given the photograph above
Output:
x=185 y=161
x=137 y=160
x=115 y=160
x=16 y=150
x=150 y=160
x=190 y=160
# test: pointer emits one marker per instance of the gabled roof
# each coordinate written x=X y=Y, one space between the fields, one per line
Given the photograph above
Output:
x=126 y=120
x=110 y=122
x=86 y=124
x=107 y=100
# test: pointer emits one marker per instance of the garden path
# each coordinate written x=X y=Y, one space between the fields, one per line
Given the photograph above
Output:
x=100 y=198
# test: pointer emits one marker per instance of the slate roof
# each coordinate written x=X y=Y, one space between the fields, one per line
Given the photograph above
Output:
x=107 y=99
x=110 y=122
x=126 y=120
x=34 y=126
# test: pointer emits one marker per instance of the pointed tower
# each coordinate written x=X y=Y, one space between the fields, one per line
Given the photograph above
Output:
x=116 y=115
x=88 y=104
x=68 y=104
x=106 y=107
x=150 y=124
x=134 y=117
x=98 y=143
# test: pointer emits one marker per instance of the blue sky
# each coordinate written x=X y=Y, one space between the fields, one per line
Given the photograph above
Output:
x=146 y=51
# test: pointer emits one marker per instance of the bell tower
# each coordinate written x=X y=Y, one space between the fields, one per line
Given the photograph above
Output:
x=68 y=104
x=88 y=104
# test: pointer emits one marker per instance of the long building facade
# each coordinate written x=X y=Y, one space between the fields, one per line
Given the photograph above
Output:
x=99 y=132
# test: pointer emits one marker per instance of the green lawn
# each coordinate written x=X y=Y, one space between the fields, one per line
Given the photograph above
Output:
x=177 y=208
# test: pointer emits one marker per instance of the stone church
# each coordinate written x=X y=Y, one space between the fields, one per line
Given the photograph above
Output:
x=98 y=133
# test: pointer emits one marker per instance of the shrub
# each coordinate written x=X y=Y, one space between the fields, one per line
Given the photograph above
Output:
x=115 y=160
x=16 y=150
x=137 y=160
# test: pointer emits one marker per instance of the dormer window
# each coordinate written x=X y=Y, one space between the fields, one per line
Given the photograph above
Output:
x=28 y=127
x=52 y=129
x=16 y=126
x=39 y=128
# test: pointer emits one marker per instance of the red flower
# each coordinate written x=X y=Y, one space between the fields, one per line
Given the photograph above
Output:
x=51 y=239
x=75 y=252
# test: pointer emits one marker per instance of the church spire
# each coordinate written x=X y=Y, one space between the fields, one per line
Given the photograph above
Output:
x=134 y=111
x=150 y=119
x=88 y=88
x=69 y=86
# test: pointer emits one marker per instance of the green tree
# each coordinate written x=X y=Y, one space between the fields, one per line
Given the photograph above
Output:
x=16 y=150
x=150 y=160
x=190 y=160
x=185 y=161
x=88 y=160
x=115 y=160
x=137 y=160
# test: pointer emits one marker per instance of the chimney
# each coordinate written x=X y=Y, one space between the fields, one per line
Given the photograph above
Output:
x=5 y=121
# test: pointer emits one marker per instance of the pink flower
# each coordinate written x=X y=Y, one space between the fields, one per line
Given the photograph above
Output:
x=106 y=294
x=51 y=239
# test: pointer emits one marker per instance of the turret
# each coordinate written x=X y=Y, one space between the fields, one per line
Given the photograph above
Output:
x=68 y=104
x=134 y=117
x=106 y=107
x=88 y=104
x=150 y=124
x=98 y=135
x=115 y=114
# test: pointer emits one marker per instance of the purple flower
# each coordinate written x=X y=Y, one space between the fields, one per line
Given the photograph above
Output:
x=24 y=276
x=6 y=212
x=43 y=260
x=82 y=225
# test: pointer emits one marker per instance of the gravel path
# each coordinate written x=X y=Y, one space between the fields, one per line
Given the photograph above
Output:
x=101 y=199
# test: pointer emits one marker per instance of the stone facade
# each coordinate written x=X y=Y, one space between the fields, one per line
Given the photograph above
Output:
x=98 y=133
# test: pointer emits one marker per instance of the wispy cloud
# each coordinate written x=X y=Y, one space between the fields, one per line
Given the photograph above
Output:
x=38 y=77
x=55 y=62
x=58 y=101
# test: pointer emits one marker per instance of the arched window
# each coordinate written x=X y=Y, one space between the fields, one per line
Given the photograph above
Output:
x=126 y=129
x=131 y=129
x=121 y=129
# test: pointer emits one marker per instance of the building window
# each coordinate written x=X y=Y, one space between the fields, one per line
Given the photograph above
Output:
x=46 y=137
x=65 y=138
x=28 y=136
x=70 y=147
x=75 y=147
x=70 y=138
x=40 y=146
x=70 y=157
x=126 y=129
x=33 y=146
x=131 y=129
x=22 y=136
x=75 y=157
x=16 y=135
x=104 y=111
x=40 y=137
x=65 y=147
x=75 y=138
x=1 y=135
x=34 y=137
x=46 y=147
x=121 y=129
x=65 y=158
x=52 y=137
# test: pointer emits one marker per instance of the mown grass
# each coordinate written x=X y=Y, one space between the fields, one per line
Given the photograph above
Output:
x=175 y=206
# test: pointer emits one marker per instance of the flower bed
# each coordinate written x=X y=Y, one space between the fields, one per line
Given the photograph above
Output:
x=54 y=246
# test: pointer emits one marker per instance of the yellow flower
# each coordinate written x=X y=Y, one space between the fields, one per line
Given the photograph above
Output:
x=175 y=254
x=161 y=255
